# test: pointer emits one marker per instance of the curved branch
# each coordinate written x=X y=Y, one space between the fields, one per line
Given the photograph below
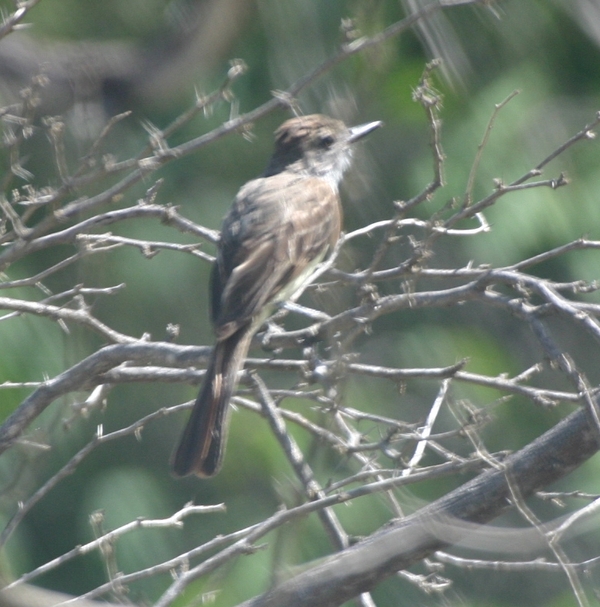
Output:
x=85 y=375
x=361 y=567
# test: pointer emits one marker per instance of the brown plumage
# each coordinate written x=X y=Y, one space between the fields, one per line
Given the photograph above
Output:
x=279 y=228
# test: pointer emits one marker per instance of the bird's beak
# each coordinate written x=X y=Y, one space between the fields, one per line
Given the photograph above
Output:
x=358 y=132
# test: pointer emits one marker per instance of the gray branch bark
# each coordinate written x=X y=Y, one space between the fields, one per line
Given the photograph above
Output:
x=360 y=568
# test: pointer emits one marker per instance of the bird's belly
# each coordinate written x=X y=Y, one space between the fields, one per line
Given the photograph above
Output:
x=300 y=280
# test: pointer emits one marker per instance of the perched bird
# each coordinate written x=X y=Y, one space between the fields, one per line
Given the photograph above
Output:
x=280 y=227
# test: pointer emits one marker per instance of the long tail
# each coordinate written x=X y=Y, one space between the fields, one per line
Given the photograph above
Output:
x=202 y=444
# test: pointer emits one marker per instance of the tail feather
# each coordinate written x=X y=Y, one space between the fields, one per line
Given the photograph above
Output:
x=202 y=443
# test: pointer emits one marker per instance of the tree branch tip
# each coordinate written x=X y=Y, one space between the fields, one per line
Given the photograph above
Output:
x=460 y=365
x=560 y=181
x=155 y=186
x=30 y=443
x=238 y=68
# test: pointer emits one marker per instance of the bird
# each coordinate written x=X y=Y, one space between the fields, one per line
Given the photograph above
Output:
x=280 y=227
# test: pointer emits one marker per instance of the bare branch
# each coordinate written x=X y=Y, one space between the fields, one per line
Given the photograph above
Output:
x=13 y=22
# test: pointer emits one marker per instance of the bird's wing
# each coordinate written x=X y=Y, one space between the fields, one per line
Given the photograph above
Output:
x=277 y=226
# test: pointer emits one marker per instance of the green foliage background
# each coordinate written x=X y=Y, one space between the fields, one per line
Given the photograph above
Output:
x=535 y=47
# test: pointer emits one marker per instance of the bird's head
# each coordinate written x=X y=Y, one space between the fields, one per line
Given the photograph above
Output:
x=317 y=145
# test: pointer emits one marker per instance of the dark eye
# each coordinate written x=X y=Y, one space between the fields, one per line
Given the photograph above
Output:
x=326 y=141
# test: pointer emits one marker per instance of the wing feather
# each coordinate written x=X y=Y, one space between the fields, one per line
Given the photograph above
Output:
x=276 y=228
